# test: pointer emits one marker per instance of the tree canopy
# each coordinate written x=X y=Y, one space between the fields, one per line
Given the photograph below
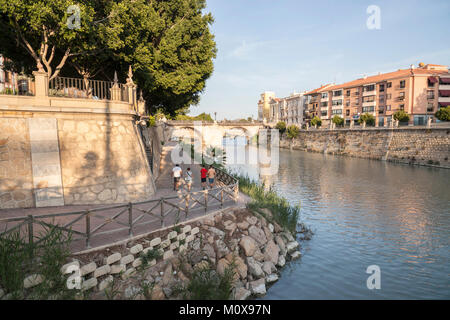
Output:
x=168 y=44
x=443 y=113
x=401 y=116
x=337 y=120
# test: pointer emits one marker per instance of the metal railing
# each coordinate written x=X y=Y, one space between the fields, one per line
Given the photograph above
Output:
x=87 y=89
x=131 y=218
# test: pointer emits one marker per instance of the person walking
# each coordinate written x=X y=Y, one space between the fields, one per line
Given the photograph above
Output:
x=211 y=176
x=176 y=173
x=188 y=179
x=203 y=173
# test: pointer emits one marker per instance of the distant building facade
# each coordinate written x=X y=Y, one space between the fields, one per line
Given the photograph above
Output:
x=419 y=91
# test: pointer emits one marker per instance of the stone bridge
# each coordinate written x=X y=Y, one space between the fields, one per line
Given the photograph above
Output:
x=211 y=133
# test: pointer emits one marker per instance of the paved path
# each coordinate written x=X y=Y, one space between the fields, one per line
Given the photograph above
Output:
x=164 y=185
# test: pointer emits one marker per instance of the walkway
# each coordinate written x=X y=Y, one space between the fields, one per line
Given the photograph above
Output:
x=146 y=217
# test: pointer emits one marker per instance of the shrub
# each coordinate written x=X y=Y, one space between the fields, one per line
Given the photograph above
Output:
x=151 y=122
x=293 y=131
x=281 y=126
x=401 y=116
x=443 y=114
x=367 y=118
x=316 y=121
x=338 y=121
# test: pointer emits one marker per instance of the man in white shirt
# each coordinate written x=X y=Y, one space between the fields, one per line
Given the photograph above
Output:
x=176 y=172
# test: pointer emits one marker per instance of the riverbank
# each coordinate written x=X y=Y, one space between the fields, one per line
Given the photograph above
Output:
x=415 y=146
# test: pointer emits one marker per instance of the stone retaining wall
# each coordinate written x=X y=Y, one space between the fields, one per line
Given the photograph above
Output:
x=406 y=145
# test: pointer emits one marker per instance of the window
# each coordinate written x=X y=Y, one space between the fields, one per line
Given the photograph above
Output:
x=337 y=111
x=347 y=112
x=324 y=113
x=388 y=96
x=402 y=107
x=369 y=88
x=324 y=104
x=368 y=109
x=324 y=95
x=337 y=93
x=402 y=83
x=430 y=94
x=357 y=92
x=381 y=99
x=430 y=84
x=348 y=93
x=388 y=108
x=347 y=103
x=430 y=107
x=381 y=87
x=357 y=101
x=368 y=99
x=337 y=102
x=389 y=85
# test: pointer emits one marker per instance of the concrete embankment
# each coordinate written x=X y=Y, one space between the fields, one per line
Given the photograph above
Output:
x=421 y=146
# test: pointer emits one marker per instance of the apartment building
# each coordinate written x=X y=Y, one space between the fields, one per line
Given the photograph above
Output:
x=418 y=91
x=13 y=83
x=289 y=109
x=264 y=105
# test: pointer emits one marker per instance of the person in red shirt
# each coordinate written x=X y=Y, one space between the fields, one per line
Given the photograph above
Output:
x=203 y=173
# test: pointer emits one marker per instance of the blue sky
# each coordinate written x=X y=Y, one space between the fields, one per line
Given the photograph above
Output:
x=295 y=45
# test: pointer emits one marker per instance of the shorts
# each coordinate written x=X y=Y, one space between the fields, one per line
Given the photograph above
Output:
x=211 y=180
x=203 y=180
x=176 y=180
x=188 y=181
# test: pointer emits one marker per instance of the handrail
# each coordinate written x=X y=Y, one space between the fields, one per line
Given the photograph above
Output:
x=136 y=212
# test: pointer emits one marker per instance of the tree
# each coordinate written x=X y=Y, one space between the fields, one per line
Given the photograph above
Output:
x=43 y=35
x=339 y=121
x=292 y=132
x=401 y=116
x=281 y=126
x=316 y=121
x=443 y=113
x=368 y=118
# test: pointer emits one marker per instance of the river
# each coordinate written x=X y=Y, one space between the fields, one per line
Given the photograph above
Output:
x=363 y=213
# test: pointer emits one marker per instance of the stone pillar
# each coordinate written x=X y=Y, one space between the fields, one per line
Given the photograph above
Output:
x=429 y=122
x=115 y=90
x=396 y=123
x=352 y=123
x=364 y=125
x=131 y=89
x=40 y=83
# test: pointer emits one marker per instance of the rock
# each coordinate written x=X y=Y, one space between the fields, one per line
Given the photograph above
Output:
x=272 y=278
x=209 y=251
x=68 y=268
x=187 y=268
x=288 y=236
x=106 y=269
x=243 y=225
x=231 y=227
x=128 y=273
x=167 y=292
x=271 y=227
x=268 y=233
x=105 y=283
x=127 y=259
x=186 y=229
x=242 y=294
x=295 y=255
x=217 y=232
x=257 y=234
x=168 y=276
x=258 y=287
x=88 y=284
x=292 y=246
x=271 y=252
x=258 y=255
x=249 y=245
x=209 y=221
x=157 y=293
x=196 y=244
x=117 y=268
x=32 y=281
x=277 y=227
x=172 y=235
x=182 y=277
x=112 y=258
x=136 y=249
x=254 y=268
x=252 y=220
x=241 y=267
x=269 y=267
x=88 y=268
x=281 y=261
x=281 y=245
x=222 y=249
x=167 y=255
x=154 y=242
x=218 y=218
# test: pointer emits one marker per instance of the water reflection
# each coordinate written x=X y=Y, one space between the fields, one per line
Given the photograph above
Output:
x=365 y=212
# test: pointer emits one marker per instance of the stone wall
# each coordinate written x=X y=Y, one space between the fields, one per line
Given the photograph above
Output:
x=100 y=159
x=16 y=178
x=405 y=145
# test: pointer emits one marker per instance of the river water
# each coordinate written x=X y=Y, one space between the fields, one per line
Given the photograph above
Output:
x=363 y=213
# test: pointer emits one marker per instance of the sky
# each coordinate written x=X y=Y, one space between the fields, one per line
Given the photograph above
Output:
x=288 y=46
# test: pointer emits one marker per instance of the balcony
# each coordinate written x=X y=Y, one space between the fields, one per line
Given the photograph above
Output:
x=444 y=99
x=444 y=87
x=400 y=98
x=369 y=103
x=369 y=93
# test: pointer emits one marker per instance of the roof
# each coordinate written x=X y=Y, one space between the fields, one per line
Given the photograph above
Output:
x=318 y=89
x=387 y=76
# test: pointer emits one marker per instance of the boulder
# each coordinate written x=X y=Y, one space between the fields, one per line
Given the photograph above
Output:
x=254 y=268
x=209 y=251
x=258 y=287
x=257 y=234
x=221 y=248
x=241 y=267
x=258 y=255
x=219 y=233
x=157 y=293
x=277 y=227
x=292 y=246
x=222 y=265
x=249 y=245
x=295 y=255
x=243 y=225
x=242 y=294
x=268 y=233
x=271 y=252
x=267 y=212
x=281 y=245
x=252 y=220
x=269 y=267
x=281 y=261
x=271 y=278
x=168 y=275
x=32 y=281
x=209 y=221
